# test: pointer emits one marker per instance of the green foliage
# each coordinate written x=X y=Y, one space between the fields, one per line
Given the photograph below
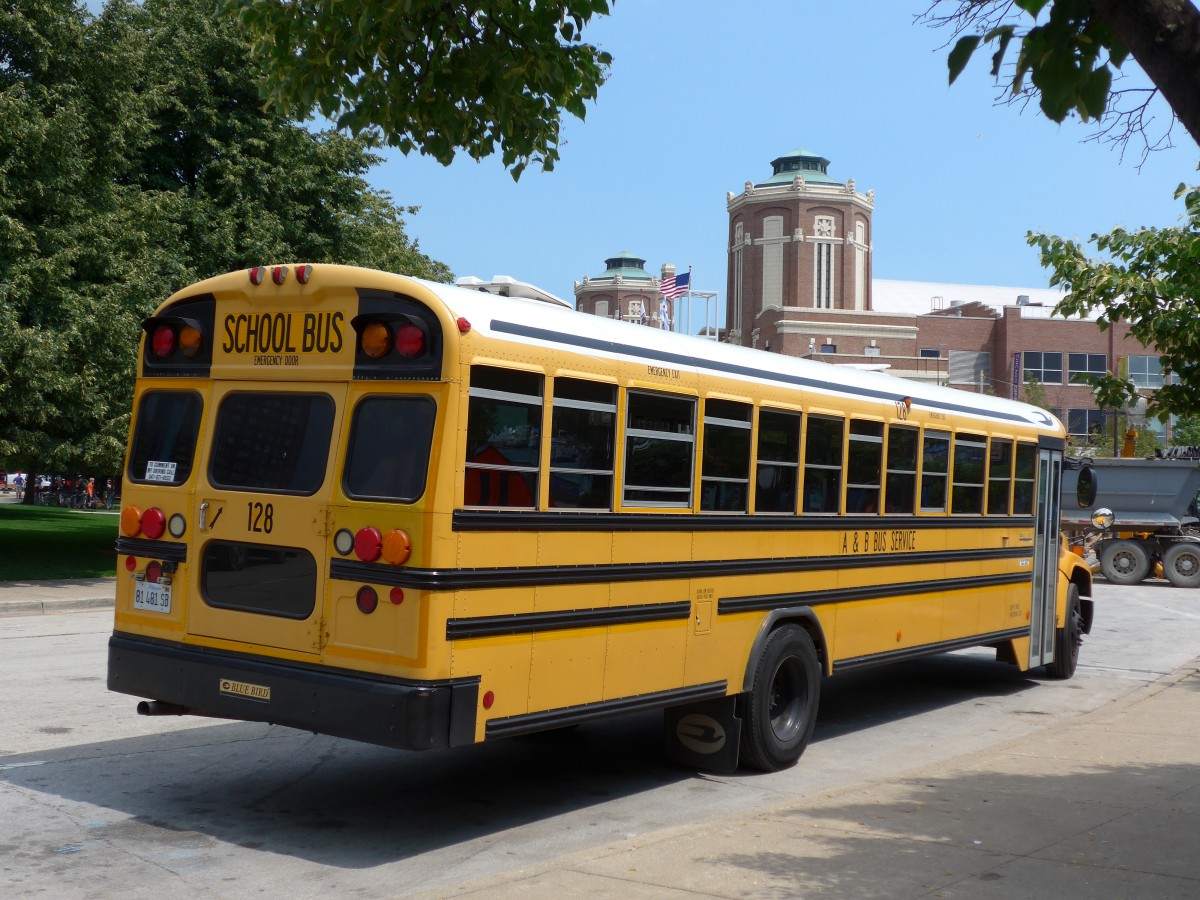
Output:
x=1035 y=392
x=135 y=159
x=432 y=76
x=1149 y=278
x=1186 y=432
x=1069 y=58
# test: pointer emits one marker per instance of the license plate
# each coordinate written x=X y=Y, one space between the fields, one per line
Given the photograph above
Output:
x=152 y=596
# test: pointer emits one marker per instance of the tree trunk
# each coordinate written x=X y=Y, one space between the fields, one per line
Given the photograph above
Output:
x=1164 y=38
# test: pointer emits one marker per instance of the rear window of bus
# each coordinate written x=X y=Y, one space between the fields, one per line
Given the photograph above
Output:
x=272 y=442
x=390 y=440
x=164 y=437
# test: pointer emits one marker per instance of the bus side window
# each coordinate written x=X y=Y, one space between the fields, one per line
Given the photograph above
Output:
x=935 y=464
x=970 y=451
x=823 y=464
x=778 y=462
x=660 y=449
x=725 y=467
x=1024 y=476
x=583 y=436
x=901 y=496
x=864 y=467
x=1000 y=459
x=504 y=428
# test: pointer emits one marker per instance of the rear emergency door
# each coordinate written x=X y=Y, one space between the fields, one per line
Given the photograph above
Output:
x=262 y=504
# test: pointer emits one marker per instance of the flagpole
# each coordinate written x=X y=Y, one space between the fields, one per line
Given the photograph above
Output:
x=689 y=301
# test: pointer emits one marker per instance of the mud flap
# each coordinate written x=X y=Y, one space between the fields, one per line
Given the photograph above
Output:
x=704 y=735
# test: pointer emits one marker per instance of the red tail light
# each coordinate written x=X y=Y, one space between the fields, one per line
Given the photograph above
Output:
x=163 y=341
x=154 y=522
x=154 y=572
x=410 y=341
x=368 y=543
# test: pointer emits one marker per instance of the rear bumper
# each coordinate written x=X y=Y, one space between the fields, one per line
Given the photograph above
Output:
x=392 y=713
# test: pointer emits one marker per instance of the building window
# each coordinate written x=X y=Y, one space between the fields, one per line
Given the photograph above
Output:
x=772 y=262
x=1082 y=366
x=1045 y=367
x=823 y=276
x=871 y=351
x=1085 y=423
x=930 y=353
x=602 y=308
x=637 y=311
x=1146 y=371
x=970 y=367
x=829 y=348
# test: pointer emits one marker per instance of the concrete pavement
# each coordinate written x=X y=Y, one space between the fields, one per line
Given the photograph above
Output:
x=1104 y=804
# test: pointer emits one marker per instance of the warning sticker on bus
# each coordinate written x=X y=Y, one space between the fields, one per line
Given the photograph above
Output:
x=160 y=471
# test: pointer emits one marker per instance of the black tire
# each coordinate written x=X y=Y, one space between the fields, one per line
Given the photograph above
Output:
x=1181 y=565
x=1124 y=562
x=1068 y=639
x=780 y=710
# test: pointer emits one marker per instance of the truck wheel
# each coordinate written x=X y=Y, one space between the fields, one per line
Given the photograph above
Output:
x=1181 y=565
x=1068 y=639
x=781 y=708
x=1124 y=562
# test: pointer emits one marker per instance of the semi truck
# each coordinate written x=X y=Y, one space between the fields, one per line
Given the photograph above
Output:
x=1153 y=517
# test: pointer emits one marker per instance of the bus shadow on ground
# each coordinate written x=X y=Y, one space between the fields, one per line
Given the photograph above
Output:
x=351 y=805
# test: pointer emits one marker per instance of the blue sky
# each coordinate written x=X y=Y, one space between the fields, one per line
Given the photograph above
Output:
x=704 y=94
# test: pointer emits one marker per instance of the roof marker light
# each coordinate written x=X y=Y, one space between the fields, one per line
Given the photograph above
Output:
x=279 y=274
x=303 y=273
x=256 y=274
x=463 y=325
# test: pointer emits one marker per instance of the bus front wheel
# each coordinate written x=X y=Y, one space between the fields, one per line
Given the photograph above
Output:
x=781 y=709
x=1068 y=639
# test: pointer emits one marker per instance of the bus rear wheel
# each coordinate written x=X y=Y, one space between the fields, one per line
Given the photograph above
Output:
x=781 y=709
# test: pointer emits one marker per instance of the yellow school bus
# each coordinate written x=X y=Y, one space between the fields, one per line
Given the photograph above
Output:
x=423 y=516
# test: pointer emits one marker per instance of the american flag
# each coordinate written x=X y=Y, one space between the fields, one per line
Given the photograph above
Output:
x=676 y=285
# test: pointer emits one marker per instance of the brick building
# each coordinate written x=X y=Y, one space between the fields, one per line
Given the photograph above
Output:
x=625 y=290
x=799 y=283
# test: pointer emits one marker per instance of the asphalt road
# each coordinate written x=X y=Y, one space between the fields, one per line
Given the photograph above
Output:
x=95 y=801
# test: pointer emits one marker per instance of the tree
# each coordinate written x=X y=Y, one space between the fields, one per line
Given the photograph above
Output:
x=1150 y=279
x=1070 y=59
x=134 y=160
x=433 y=76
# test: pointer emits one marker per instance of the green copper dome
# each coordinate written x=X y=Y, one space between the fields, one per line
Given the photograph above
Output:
x=628 y=265
x=810 y=166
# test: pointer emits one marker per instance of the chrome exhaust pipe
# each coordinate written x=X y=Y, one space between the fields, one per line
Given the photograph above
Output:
x=161 y=708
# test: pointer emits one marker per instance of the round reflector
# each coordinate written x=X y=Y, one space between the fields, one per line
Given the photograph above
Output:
x=488 y=699
x=162 y=342
x=131 y=521
x=368 y=544
x=397 y=595
x=154 y=522
x=366 y=599
x=343 y=541
x=154 y=572
x=191 y=341
x=130 y=563
x=397 y=546
x=376 y=340
x=410 y=341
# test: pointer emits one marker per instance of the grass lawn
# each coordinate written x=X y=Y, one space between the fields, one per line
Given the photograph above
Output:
x=44 y=542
